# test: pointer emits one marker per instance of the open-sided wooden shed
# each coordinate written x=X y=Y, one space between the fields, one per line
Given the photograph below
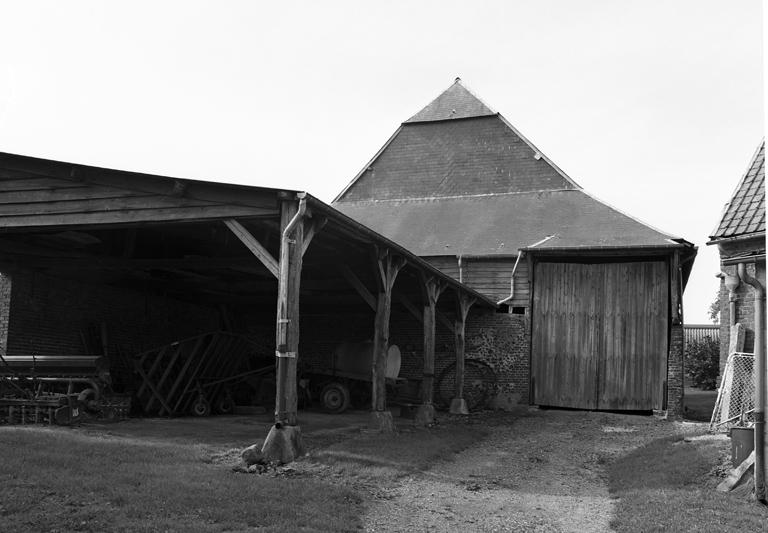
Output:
x=81 y=244
x=597 y=293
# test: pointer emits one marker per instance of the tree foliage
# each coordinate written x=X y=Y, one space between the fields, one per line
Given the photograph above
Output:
x=714 y=309
x=702 y=362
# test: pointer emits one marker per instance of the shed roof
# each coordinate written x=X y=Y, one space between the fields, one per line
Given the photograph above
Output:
x=46 y=204
x=744 y=214
x=468 y=183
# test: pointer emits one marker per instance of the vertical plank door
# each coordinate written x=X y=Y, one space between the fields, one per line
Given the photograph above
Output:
x=633 y=350
x=564 y=343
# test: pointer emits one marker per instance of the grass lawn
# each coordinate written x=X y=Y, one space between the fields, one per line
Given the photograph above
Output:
x=667 y=485
x=64 y=480
x=60 y=480
x=699 y=404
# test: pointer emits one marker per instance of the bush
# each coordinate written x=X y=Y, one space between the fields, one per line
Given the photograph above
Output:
x=702 y=362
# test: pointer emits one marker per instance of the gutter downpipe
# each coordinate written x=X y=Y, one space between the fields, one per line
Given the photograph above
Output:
x=760 y=365
x=282 y=308
x=514 y=269
x=731 y=283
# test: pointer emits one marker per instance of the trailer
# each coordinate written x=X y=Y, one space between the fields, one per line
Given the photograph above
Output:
x=347 y=380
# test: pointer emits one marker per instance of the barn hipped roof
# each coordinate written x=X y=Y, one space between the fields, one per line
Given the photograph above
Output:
x=455 y=102
x=744 y=214
x=469 y=183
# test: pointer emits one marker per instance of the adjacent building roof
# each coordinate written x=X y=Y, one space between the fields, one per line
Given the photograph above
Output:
x=744 y=214
x=458 y=179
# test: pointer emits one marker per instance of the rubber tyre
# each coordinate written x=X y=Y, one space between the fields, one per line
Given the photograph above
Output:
x=335 y=397
x=225 y=405
x=201 y=408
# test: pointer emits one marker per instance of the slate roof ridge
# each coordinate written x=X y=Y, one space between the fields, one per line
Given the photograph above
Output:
x=669 y=236
x=719 y=232
x=368 y=165
x=458 y=196
x=469 y=108
x=533 y=147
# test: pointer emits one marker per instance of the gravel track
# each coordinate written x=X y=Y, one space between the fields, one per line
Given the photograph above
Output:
x=544 y=471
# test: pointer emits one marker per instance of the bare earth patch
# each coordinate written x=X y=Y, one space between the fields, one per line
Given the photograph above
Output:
x=542 y=472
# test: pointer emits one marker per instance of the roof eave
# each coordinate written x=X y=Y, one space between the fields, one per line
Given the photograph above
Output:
x=328 y=210
x=733 y=238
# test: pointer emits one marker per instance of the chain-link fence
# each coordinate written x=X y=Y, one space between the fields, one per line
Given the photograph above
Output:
x=735 y=405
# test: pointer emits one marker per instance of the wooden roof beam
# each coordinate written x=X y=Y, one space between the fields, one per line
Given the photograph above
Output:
x=253 y=244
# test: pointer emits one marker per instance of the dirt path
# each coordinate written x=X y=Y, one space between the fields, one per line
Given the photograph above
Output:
x=543 y=472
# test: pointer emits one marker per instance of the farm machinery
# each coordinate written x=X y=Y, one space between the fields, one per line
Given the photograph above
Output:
x=57 y=389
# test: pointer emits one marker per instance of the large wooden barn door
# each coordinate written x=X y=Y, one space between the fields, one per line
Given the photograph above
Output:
x=565 y=340
x=600 y=335
x=633 y=348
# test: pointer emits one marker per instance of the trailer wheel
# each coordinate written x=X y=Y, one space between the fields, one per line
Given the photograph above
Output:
x=201 y=407
x=335 y=397
x=225 y=405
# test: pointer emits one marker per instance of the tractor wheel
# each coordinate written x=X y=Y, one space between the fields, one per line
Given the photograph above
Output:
x=335 y=397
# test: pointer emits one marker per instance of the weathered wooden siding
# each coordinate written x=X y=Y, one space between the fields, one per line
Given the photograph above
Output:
x=489 y=276
x=565 y=341
x=633 y=350
x=600 y=335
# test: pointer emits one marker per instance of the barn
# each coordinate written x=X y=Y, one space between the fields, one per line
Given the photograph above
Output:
x=592 y=296
x=167 y=271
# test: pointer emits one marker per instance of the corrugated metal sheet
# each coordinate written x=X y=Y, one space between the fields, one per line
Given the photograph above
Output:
x=697 y=332
x=503 y=223
x=745 y=213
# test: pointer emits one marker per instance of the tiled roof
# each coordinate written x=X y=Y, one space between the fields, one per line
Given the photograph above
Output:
x=503 y=223
x=745 y=213
x=455 y=102
x=476 y=186
x=473 y=156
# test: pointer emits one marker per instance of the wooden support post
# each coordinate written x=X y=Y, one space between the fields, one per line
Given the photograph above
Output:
x=283 y=443
x=459 y=404
x=388 y=266
x=432 y=289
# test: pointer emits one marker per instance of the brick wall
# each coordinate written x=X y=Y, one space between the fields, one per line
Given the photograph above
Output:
x=48 y=315
x=5 y=309
x=503 y=341
x=500 y=340
x=745 y=311
x=675 y=373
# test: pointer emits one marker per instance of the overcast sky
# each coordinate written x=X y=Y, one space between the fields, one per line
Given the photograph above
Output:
x=653 y=106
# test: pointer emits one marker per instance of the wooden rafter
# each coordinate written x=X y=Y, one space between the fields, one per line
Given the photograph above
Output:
x=310 y=230
x=261 y=253
x=359 y=286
